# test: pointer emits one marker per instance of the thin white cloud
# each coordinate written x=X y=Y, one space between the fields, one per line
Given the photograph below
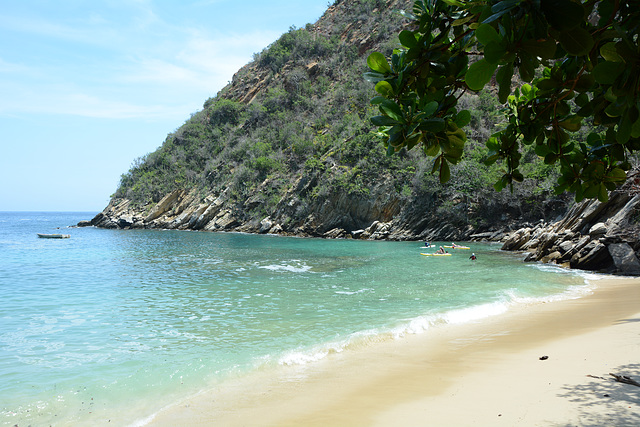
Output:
x=138 y=67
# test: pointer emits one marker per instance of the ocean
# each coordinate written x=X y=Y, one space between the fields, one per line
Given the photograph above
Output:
x=110 y=326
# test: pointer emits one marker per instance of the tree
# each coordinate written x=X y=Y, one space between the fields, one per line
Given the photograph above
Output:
x=579 y=63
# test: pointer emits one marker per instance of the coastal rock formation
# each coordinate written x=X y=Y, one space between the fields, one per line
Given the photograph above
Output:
x=285 y=149
x=591 y=236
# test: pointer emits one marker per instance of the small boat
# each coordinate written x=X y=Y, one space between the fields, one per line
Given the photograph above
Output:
x=458 y=247
x=53 y=236
x=435 y=254
x=426 y=247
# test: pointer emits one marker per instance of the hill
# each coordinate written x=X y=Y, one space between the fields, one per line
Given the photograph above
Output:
x=287 y=148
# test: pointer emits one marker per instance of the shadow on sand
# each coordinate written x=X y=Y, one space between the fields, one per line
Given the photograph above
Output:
x=604 y=401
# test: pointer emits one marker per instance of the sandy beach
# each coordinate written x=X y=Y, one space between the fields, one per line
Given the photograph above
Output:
x=486 y=373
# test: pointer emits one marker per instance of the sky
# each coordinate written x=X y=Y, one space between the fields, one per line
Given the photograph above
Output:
x=86 y=87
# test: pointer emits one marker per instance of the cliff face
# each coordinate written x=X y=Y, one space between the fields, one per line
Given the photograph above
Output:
x=379 y=215
x=287 y=148
x=591 y=236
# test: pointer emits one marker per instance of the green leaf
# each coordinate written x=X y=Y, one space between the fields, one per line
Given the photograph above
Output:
x=616 y=175
x=463 y=118
x=585 y=83
x=373 y=76
x=413 y=140
x=491 y=159
x=392 y=110
x=432 y=150
x=607 y=72
x=430 y=108
x=445 y=172
x=582 y=100
x=578 y=188
x=408 y=39
x=627 y=53
x=486 y=34
x=592 y=191
x=396 y=139
x=603 y=194
x=479 y=74
x=503 y=77
x=377 y=62
x=436 y=164
x=385 y=89
x=527 y=66
x=577 y=42
x=457 y=138
x=610 y=53
x=494 y=52
x=433 y=125
x=383 y=121
x=572 y=123
x=542 y=150
x=390 y=150
x=624 y=130
x=545 y=49
x=547 y=84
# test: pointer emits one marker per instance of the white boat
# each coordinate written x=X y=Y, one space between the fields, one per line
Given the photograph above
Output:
x=54 y=236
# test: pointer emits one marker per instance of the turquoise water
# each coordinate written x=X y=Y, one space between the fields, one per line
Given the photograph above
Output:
x=109 y=326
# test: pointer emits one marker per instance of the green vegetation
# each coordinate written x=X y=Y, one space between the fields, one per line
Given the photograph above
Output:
x=580 y=61
x=309 y=120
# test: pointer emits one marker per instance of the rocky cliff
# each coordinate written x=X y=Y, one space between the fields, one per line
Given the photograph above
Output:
x=287 y=148
x=379 y=215
x=592 y=236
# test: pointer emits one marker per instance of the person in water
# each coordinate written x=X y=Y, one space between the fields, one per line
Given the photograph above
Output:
x=473 y=257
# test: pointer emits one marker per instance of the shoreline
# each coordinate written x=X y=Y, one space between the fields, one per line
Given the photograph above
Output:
x=486 y=372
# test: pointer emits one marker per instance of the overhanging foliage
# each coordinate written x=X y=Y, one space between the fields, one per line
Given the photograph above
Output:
x=580 y=63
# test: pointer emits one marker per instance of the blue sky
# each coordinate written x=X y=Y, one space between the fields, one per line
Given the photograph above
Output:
x=86 y=87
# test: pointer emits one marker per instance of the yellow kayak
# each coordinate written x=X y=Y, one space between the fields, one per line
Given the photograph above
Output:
x=435 y=254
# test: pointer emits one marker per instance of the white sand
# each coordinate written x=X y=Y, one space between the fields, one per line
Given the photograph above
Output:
x=487 y=373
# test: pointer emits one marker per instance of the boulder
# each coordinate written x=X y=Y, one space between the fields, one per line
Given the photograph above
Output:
x=600 y=229
x=566 y=246
x=357 y=234
x=335 y=233
x=552 y=257
x=594 y=256
x=265 y=225
x=624 y=258
x=276 y=229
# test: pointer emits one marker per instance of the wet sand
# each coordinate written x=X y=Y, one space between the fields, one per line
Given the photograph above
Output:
x=485 y=373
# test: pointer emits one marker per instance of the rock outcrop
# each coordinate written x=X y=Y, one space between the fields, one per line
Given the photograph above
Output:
x=591 y=236
x=304 y=202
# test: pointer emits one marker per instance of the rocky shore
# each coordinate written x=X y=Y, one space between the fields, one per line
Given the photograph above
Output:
x=591 y=236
